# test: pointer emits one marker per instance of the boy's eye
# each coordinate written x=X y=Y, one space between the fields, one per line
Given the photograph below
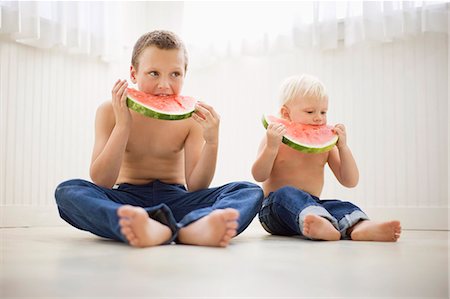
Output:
x=176 y=74
x=309 y=112
x=323 y=112
x=153 y=74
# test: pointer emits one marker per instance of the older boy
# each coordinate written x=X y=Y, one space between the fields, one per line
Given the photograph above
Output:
x=140 y=166
x=293 y=181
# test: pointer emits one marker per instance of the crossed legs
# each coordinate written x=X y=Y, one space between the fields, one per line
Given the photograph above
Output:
x=215 y=229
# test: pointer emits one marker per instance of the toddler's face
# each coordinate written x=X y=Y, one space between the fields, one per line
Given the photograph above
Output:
x=160 y=72
x=307 y=111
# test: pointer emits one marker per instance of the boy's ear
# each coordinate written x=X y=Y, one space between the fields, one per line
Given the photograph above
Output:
x=133 y=74
x=284 y=111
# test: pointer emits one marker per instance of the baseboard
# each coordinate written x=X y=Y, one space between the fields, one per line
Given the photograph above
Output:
x=411 y=218
x=29 y=215
x=419 y=218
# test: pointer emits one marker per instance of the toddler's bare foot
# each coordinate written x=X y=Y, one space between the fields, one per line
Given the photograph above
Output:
x=139 y=229
x=367 y=230
x=319 y=228
x=215 y=229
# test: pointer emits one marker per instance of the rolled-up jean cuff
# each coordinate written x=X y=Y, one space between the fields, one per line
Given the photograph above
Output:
x=349 y=220
x=162 y=214
x=319 y=211
x=266 y=228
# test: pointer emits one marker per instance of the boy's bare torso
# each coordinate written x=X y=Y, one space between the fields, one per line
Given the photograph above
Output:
x=154 y=151
x=297 y=169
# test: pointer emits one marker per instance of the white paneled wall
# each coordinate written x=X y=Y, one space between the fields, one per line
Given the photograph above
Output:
x=48 y=107
x=393 y=99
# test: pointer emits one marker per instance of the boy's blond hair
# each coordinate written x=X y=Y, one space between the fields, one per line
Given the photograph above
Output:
x=303 y=85
x=163 y=40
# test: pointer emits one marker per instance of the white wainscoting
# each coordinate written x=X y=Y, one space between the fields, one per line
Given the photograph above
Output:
x=48 y=101
x=393 y=99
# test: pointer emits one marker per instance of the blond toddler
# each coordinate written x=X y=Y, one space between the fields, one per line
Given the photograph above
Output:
x=292 y=180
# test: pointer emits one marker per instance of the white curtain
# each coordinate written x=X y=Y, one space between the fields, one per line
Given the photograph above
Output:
x=93 y=28
x=217 y=29
x=227 y=29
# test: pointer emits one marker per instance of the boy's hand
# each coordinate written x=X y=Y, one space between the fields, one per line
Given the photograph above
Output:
x=339 y=129
x=275 y=132
x=119 y=103
x=208 y=118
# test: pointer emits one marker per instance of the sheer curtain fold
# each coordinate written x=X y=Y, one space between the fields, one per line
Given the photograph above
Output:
x=91 y=28
x=375 y=21
x=319 y=24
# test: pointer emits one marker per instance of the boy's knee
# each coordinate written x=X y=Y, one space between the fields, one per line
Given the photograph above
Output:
x=246 y=185
x=254 y=194
x=75 y=182
x=254 y=187
x=63 y=190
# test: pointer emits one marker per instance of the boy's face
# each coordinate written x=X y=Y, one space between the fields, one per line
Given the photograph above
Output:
x=306 y=110
x=160 y=72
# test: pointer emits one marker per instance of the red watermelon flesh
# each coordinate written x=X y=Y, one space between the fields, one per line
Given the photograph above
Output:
x=170 y=107
x=305 y=138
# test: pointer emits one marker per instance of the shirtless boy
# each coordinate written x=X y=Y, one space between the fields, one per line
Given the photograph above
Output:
x=151 y=177
x=293 y=181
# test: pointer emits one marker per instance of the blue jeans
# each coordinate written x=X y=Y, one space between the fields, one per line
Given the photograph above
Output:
x=93 y=208
x=283 y=212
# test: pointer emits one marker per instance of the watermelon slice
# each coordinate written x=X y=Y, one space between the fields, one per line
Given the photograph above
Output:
x=305 y=138
x=172 y=107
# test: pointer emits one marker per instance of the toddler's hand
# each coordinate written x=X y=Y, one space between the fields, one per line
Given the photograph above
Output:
x=119 y=103
x=274 y=133
x=208 y=118
x=341 y=132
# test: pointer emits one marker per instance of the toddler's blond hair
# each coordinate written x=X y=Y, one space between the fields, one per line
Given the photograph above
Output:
x=302 y=85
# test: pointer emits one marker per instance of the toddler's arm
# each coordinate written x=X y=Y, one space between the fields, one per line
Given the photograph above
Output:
x=341 y=160
x=268 y=151
x=112 y=129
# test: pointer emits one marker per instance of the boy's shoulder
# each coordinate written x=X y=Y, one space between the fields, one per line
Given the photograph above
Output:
x=105 y=106
x=105 y=114
x=106 y=110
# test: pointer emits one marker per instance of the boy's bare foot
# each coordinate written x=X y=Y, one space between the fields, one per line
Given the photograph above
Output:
x=368 y=230
x=139 y=229
x=319 y=228
x=215 y=229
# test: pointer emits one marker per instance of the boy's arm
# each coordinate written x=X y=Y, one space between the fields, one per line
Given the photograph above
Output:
x=112 y=129
x=200 y=161
x=341 y=160
x=268 y=150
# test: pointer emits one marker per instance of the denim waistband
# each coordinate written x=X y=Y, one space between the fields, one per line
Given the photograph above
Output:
x=150 y=184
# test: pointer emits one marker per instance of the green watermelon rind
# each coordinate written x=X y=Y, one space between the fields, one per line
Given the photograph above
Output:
x=300 y=147
x=151 y=112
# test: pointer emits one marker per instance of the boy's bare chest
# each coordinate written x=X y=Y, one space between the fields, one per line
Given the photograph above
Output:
x=156 y=138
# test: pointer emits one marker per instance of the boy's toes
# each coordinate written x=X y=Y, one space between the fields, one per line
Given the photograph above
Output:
x=124 y=222
x=125 y=230
x=226 y=238
x=125 y=211
x=233 y=225
x=230 y=233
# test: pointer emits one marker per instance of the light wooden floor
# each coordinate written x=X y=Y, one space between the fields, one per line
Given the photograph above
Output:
x=62 y=262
